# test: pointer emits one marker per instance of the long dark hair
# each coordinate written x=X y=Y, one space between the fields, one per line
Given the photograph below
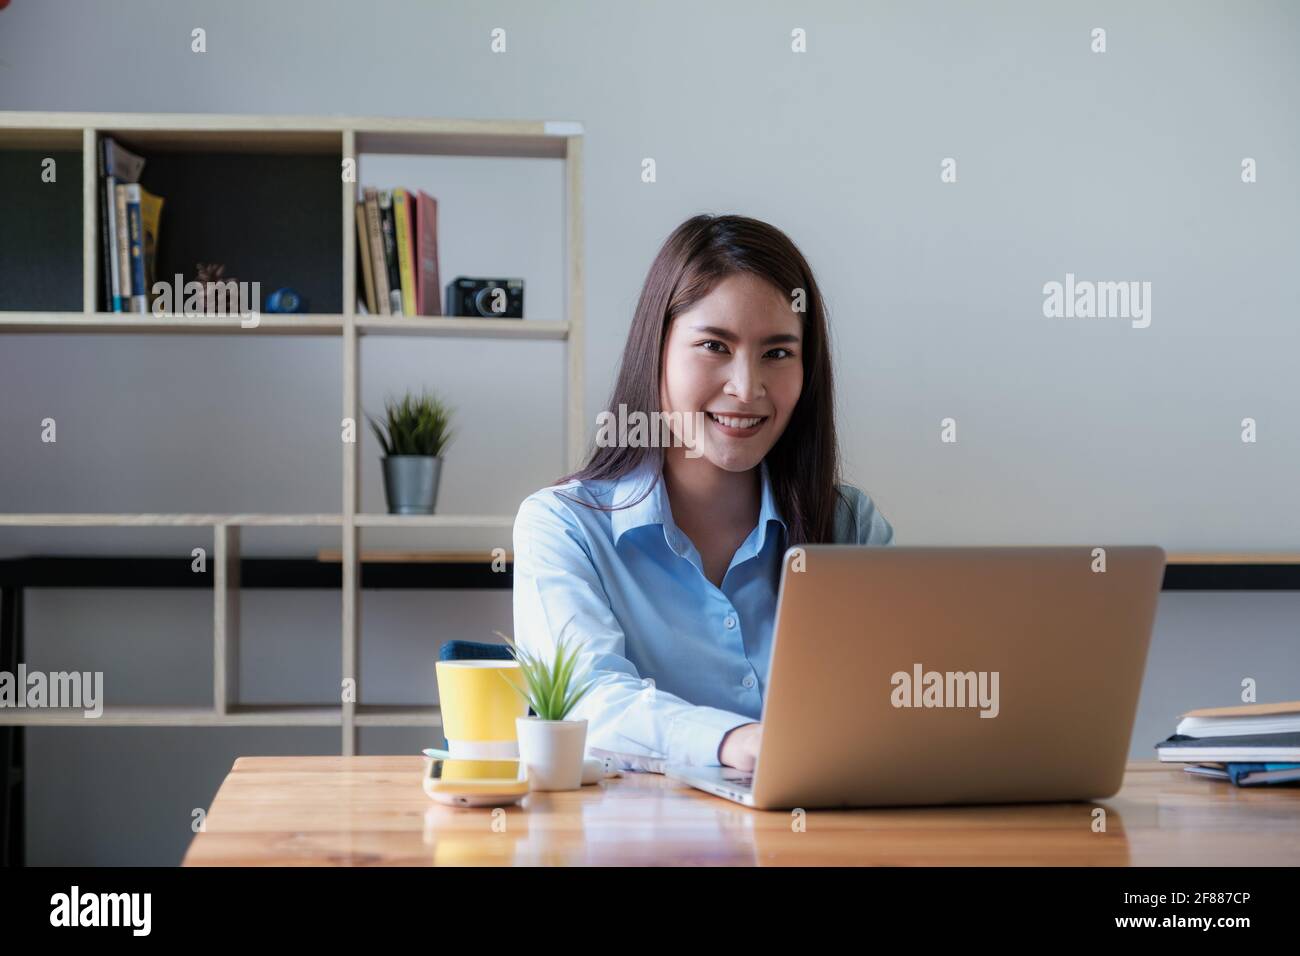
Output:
x=803 y=465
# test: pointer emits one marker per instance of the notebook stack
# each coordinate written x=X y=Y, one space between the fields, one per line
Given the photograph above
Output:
x=1250 y=745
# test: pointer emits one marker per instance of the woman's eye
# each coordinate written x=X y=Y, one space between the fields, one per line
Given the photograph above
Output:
x=778 y=353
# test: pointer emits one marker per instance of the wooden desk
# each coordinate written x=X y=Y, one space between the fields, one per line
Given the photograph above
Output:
x=349 y=811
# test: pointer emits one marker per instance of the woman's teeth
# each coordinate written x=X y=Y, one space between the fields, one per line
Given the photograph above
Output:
x=735 y=422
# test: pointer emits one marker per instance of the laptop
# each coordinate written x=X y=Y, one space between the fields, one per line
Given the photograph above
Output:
x=908 y=676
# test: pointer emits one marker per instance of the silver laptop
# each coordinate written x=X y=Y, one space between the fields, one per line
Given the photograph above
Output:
x=925 y=675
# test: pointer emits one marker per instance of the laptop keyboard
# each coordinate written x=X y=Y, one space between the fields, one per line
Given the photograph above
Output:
x=740 y=777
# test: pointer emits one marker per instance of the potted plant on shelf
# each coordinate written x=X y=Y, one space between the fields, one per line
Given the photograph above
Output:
x=551 y=747
x=413 y=436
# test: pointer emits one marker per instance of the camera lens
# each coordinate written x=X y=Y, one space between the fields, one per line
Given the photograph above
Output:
x=483 y=301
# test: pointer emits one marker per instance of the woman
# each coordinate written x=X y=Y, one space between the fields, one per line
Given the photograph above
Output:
x=663 y=563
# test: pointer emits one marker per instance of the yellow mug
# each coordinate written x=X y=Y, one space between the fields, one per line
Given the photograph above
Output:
x=480 y=701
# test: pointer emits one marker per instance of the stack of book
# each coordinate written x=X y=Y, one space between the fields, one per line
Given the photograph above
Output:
x=397 y=253
x=130 y=216
x=1250 y=745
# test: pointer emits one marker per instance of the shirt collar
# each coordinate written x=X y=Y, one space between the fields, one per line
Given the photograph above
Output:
x=654 y=507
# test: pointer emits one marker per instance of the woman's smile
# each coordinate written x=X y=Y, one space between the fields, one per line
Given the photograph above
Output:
x=737 y=426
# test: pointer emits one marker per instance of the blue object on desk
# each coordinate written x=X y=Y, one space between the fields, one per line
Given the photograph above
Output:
x=474 y=651
x=1240 y=773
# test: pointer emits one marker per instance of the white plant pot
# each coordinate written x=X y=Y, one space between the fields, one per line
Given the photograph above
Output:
x=551 y=752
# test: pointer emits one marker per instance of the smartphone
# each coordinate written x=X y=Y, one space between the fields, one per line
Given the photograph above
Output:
x=474 y=783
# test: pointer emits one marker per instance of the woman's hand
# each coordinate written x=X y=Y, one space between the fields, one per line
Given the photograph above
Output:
x=740 y=746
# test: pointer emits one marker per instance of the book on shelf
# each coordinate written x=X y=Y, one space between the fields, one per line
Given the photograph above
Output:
x=366 y=270
x=403 y=213
x=108 y=236
x=428 y=290
x=135 y=248
x=131 y=218
x=117 y=164
x=388 y=230
x=375 y=233
x=122 y=250
x=397 y=244
x=150 y=224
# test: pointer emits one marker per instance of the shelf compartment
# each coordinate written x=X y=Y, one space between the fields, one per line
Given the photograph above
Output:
x=42 y=230
x=264 y=203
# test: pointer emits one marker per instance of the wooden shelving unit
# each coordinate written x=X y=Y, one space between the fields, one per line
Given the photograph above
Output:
x=279 y=139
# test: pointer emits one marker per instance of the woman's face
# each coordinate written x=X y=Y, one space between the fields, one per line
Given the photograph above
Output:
x=736 y=354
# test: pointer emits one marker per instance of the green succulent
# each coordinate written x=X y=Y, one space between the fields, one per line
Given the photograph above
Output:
x=552 y=687
x=414 y=426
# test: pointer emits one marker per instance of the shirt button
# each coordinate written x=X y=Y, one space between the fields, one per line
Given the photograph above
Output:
x=730 y=621
x=749 y=680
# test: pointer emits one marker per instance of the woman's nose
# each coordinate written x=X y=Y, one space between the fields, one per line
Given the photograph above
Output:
x=746 y=382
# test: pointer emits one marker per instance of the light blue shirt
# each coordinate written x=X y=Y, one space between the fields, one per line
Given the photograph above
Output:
x=678 y=662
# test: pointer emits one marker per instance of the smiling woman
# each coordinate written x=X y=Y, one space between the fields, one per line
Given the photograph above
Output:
x=663 y=563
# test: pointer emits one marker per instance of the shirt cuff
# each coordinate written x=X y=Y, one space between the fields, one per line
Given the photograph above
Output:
x=695 y=737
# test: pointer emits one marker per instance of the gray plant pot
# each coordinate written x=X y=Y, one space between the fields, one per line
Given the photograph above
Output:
x=411 y=483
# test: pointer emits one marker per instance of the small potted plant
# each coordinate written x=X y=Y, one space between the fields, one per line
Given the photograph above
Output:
x=551 y=747
x=413 y=436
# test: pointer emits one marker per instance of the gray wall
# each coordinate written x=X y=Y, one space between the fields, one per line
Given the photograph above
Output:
x=1123 y=165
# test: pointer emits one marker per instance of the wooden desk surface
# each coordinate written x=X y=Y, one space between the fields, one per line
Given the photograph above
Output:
x=349 y=811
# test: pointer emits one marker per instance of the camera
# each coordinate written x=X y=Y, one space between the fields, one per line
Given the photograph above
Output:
x=487 y=298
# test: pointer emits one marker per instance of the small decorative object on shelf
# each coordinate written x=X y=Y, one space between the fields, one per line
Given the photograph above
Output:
x=551 y=747
x=285 y=301
x=212 y=275
x=413 y=436
x=486 y=298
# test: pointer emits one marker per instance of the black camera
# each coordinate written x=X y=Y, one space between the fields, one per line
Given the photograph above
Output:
x=486 y=298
